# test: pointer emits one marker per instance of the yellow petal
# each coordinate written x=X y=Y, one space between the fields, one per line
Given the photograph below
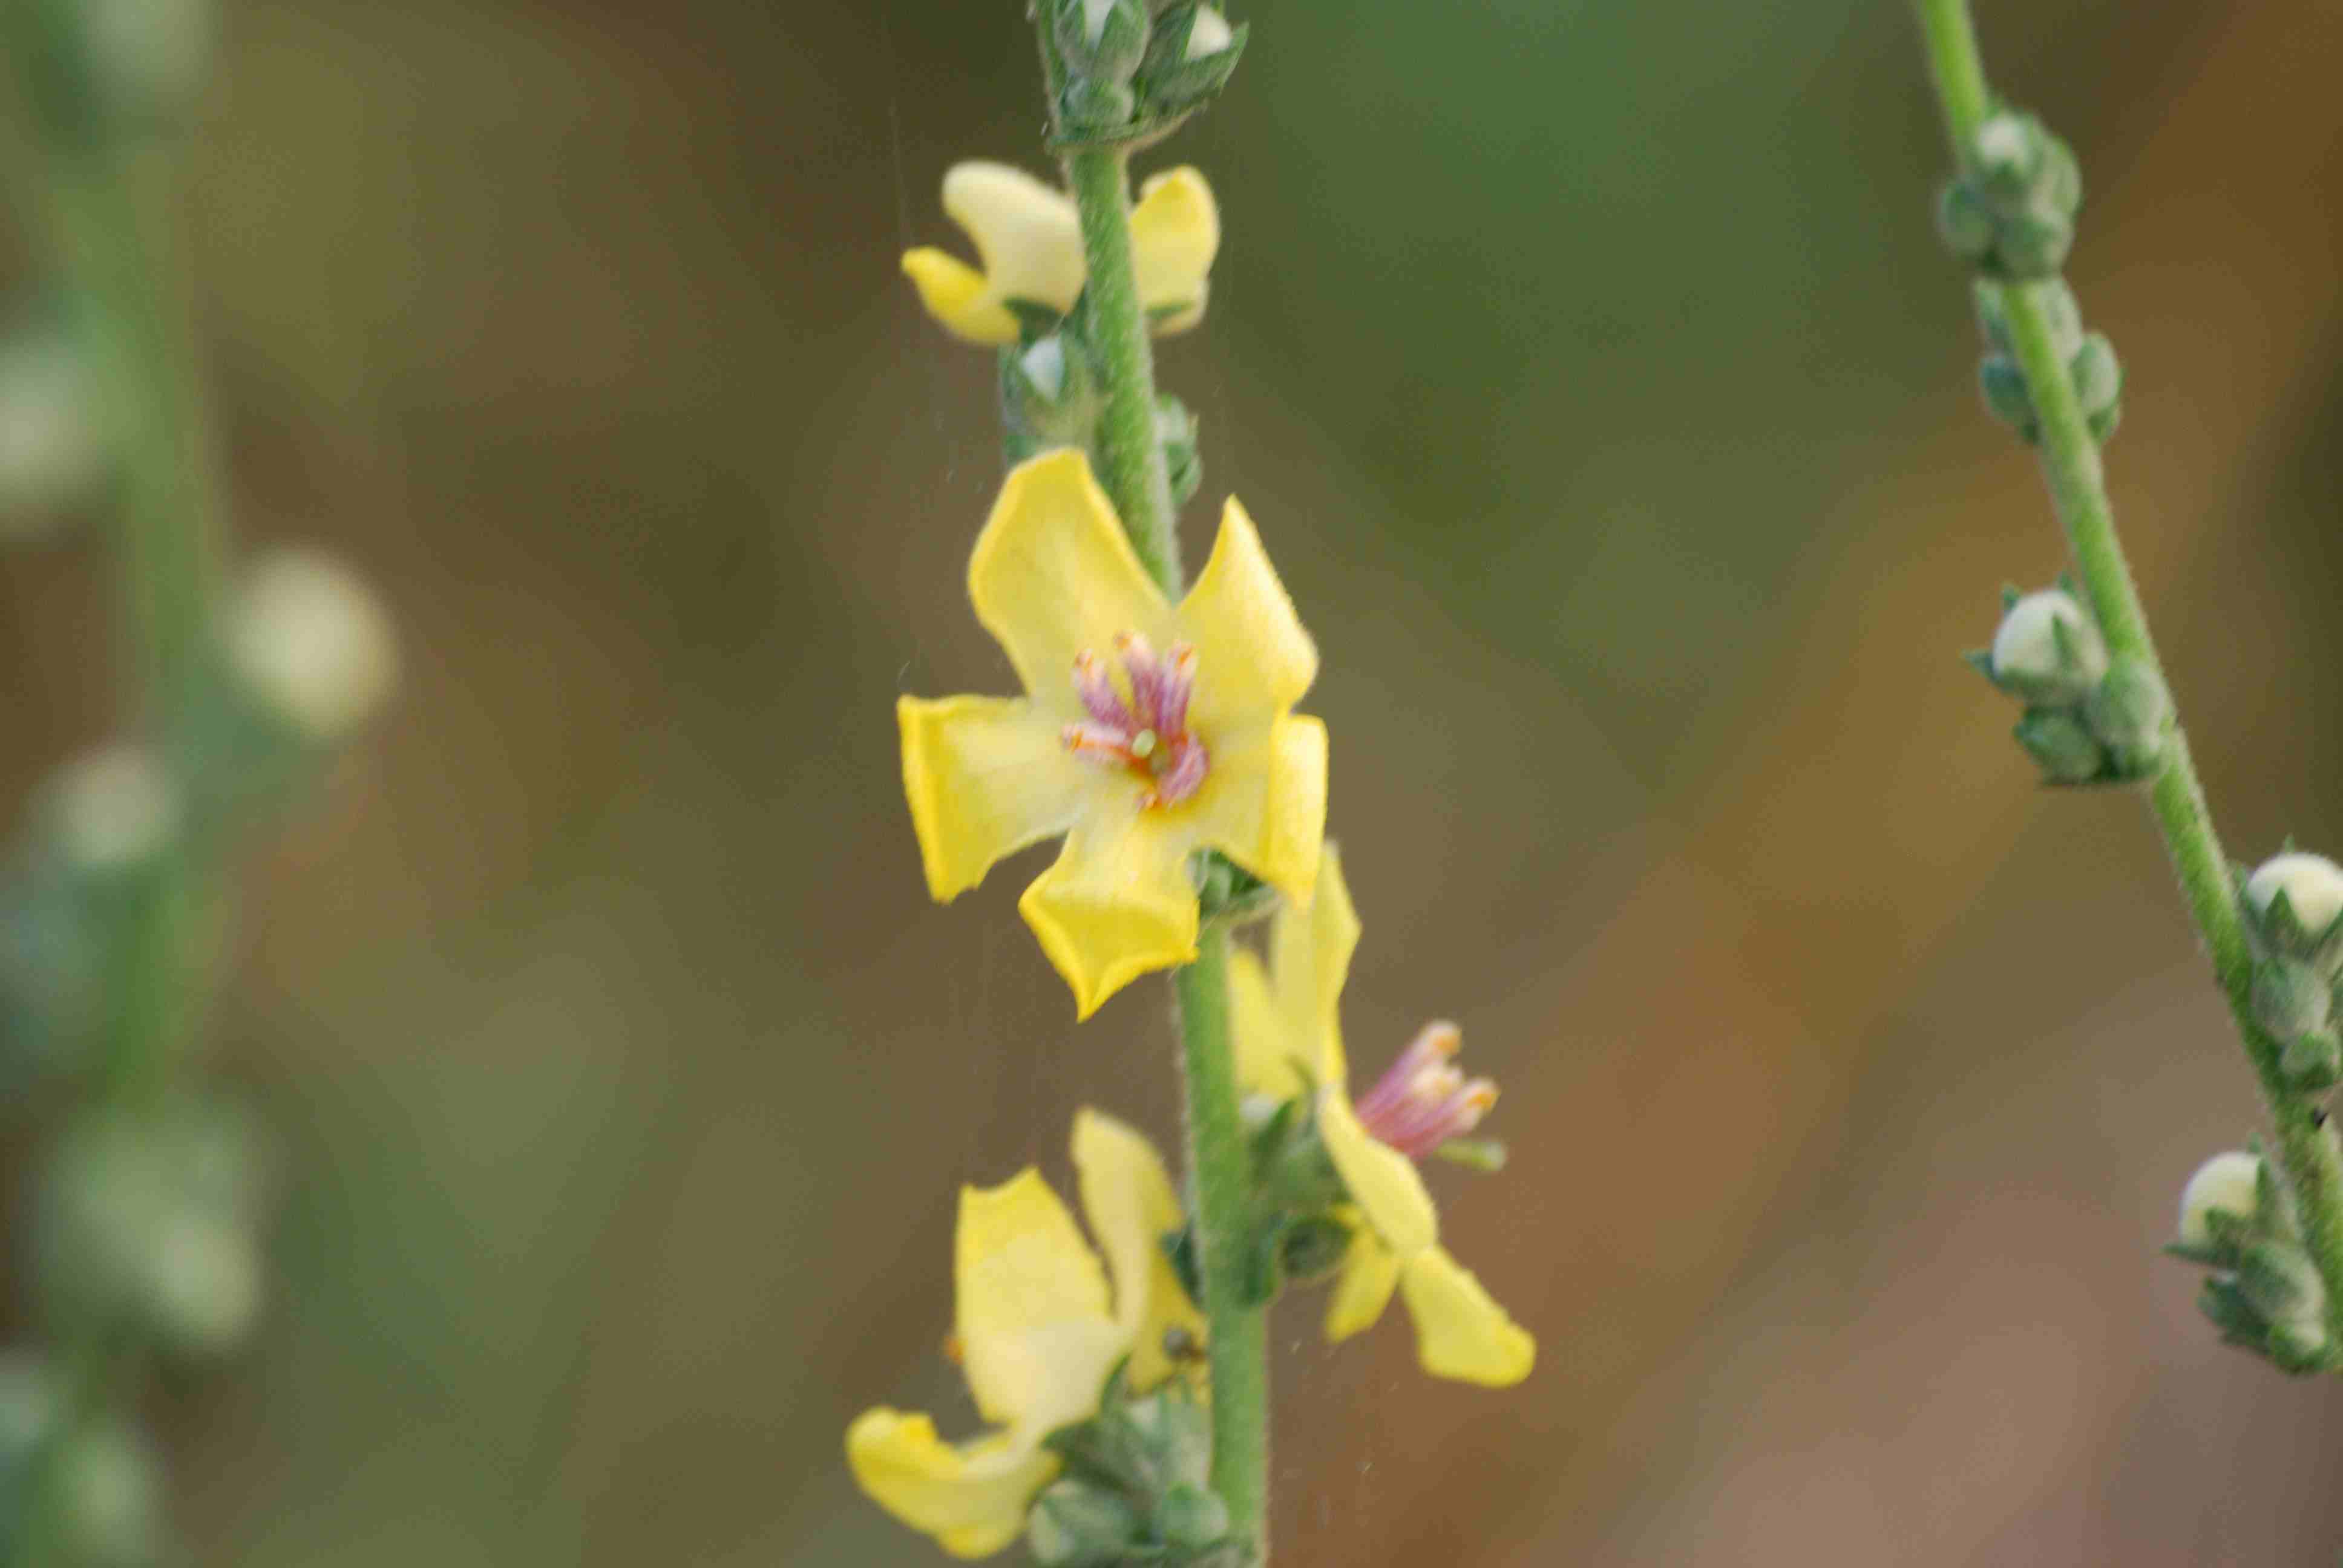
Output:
x=1310 y=948
x=1382 y=1181
x=959 y=297
x=1460 y=1332
x=1053 y=575
x=1117 y=903
x=1032 y=1314
x=1370 y=1270
x=1266 y=1051
x=1026 y=232
x=1175 y=231
x=972 y=1498
x=1264 y=802
x=1128 y=1199
x=1253 y=660
x=985 y=777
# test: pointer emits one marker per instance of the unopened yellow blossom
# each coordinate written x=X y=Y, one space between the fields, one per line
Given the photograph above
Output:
x=1029 y=242
x=1147 y=732
x=1037 y=1336
x=1288 y=1038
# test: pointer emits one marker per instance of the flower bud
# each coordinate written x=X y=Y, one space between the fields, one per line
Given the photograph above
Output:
x=108 y=1499
x=1190 y=1519
x=2011 y=211
x=1175 y=427
x=2227 y=1184
x=115 y=810
x=2046 y=650
x=2061 y=745
x=2295 y=900
x=1190 y=55
x=51 y=446
x=2277 y=1278
x=1102 y=40
x=1075 y=1524
x=1049 y=396
x=309 y=640
x=206 y=1284
x=2058 y=306
x=2097 y=376
x=2291 y=999
x=2003 y=386
x=2131 y=714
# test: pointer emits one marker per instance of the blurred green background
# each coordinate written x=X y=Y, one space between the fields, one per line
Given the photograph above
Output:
x=1604 y=396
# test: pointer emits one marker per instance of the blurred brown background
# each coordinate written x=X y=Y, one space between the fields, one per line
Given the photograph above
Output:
x=1602 y=395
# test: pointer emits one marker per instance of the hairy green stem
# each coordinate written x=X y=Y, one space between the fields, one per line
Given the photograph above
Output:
x=1132 y=471
x=2077 y=484
x=1221 y=1164
x=1129 y=452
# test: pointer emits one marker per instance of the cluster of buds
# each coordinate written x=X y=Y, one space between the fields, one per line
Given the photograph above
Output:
x=1133 y=67
x=2092 y=369
x=1136 y=1487
x=2263 y=1293
x=2294 y=923
x=2010 y=210
x=2090 y=718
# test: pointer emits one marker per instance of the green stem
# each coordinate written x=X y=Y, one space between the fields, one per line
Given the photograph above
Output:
x=2077 y=484
x=1221 y=1164
x=1129 y=454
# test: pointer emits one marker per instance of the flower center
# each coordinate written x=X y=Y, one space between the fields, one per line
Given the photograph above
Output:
x=1422 y=1100
x=1140 y=725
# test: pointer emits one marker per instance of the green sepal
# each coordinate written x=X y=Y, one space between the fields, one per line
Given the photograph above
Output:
x=1169 y=83
x=1312 y=1247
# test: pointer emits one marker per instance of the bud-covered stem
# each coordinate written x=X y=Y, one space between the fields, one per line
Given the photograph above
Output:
x=2072 y=469
x=1221 y=1165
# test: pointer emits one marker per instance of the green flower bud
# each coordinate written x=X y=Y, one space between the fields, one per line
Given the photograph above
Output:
x=2061 y=745
x=2098 y=384
x=2011 y=212
x=2048 y=651
x=53 y=447
x=1049 y=394
x=2278 y=1279
x=2313 y=1061
x=2059 y=307
x=1175 y=427
x=2131 y=714
x=1088 y=107
x=2003 y=385
x=1190 y=1519
x=1313 y=1246
x=108 y=1497
x=1075 y=1524
x=2227 y=1184
x=2291 y=999
x=1103 y=40
x=1965 y=222
x=114 y=811
x=1190 y=58
x=2295 y=901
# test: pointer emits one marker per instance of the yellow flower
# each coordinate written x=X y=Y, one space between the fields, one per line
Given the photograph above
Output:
x=1195 y=747
x=1029 y=241
x=1286 y=1027
x=1036 y=1337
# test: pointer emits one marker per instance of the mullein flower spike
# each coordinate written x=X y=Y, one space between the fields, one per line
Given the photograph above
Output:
x=1038 y=1336
x=1029 y=241
x=1290 y=1043
x=1147 y=732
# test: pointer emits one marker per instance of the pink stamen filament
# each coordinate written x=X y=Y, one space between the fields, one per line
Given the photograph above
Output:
x=1146 y=735
x=1422 y=1100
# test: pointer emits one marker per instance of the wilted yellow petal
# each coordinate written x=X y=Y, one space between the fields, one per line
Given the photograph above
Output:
x=1370 y=1270
x=1052 y=576
x=1382 y=1181
x=1127 y=1197
x=959 y=297
x=1460 y=1332
x=972 y=1498
x=1032 y=1302
x=985 y=777
x=1027 y=233
x=1117 y=903
x=1253 y=660
x=1266 y=1051
x=1175 y=231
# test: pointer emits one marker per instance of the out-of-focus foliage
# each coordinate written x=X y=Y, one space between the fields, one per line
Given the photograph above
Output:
x=1613 y=399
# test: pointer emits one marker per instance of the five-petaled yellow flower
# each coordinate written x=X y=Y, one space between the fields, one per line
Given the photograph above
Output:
x=1037 y=1337
x=1289 y=1037
x=1030 y=244
x=1146 y=733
